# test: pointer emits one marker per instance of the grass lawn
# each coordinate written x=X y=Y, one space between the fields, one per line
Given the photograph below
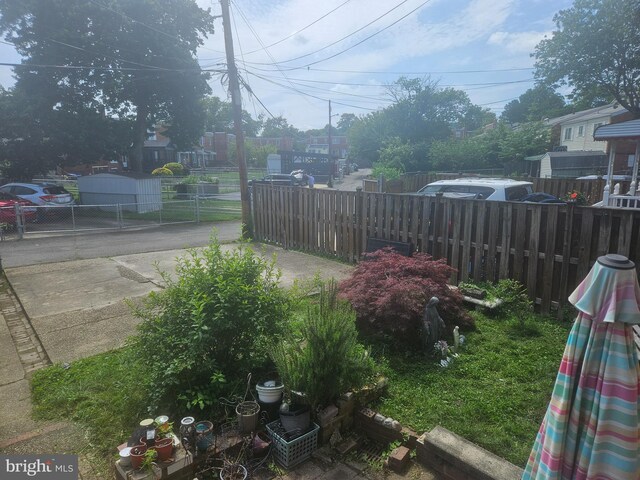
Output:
x=494 y=394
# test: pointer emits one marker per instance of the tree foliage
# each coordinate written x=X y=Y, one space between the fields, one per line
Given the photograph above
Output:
x=595 y=50
x=534 y=105
x=421 y=113
x=131 y=59
x=389 y=292
x=218 y=117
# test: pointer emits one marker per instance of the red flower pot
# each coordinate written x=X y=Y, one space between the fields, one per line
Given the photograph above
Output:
x=137 y=455
x=164 y=447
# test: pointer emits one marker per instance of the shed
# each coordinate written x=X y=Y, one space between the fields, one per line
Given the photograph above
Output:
x=134 y=192
x=570 y=164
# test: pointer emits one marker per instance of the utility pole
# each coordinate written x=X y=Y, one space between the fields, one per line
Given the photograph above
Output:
x=236 y=104
x=330 y=181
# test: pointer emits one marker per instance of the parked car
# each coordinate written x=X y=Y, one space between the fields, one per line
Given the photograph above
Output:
x=300 y=176
x=282 y=179
x=541 y=197
x=499 y=189
x=8 y=204
x=42 y=194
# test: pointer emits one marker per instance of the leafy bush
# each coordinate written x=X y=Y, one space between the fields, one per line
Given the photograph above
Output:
x=324 y=359
x=389 y=173
x=192 y=179
x=389 y=292
x=175 y=167
x=211 y=325
x=162 y=171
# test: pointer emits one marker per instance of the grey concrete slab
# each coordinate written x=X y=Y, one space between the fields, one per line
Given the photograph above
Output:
x=10 y=365
x=15 y=414
x=50 y=289
x=82 y=333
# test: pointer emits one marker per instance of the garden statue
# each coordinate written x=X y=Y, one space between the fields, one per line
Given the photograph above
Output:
x=432 y=325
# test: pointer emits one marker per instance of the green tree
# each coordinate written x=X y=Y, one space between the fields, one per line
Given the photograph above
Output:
x=535 y=104
x=279 y=127
x=36 y=139
x=129 y=58
x=346 y=122
x=421 y=114
x=595 y=50
x=532 y=138
x=219 y=117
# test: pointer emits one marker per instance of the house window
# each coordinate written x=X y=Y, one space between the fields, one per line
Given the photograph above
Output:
x=567 y=133
x=596 y=125
x=581 y=131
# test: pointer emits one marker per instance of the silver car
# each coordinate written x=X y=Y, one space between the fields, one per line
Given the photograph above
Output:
x=42 y=194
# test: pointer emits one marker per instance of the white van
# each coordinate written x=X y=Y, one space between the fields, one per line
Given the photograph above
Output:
x=499 y=189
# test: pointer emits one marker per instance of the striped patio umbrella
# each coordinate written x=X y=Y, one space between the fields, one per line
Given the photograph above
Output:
x=591 y=429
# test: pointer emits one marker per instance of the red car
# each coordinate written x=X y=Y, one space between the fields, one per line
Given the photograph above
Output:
x=8 y=209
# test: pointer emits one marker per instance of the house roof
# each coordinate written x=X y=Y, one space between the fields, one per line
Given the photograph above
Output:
x=611 y=109
x=622 y=130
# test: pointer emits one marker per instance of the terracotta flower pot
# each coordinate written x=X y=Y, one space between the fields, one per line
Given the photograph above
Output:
x=164 y=447
x=137 y=455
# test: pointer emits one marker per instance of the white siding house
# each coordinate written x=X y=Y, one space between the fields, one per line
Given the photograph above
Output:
x=577 y=129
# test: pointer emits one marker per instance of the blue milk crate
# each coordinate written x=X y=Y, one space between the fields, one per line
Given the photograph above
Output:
x=291 y=452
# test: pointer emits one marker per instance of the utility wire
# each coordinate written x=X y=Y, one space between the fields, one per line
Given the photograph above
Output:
x=341 y=39
x=302 y=29
x=369 y=37
x=400 y=73
x=246 y=20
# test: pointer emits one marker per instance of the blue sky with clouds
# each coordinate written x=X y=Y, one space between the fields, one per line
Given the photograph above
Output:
x=478 y=46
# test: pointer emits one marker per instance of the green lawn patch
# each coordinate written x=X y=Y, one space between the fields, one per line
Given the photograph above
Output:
x=102 y=393
x=494 y=394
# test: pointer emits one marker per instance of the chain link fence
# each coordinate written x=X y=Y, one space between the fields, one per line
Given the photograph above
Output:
x=19 y=221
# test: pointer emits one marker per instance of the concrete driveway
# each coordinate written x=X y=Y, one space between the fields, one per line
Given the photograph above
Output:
x=80 y=307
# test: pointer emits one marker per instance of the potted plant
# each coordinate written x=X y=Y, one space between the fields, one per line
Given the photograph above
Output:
x=324 y=359
x=233 y=471
x=149 y=464
x=137 y=455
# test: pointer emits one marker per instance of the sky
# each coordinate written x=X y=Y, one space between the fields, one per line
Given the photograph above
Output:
x=297 y=55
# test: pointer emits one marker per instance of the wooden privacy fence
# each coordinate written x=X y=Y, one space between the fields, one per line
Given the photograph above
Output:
x=549 y=248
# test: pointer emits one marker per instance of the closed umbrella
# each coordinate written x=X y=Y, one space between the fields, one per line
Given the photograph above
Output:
x=591 y=429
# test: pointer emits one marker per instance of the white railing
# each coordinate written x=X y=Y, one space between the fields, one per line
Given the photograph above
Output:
x=624 y=201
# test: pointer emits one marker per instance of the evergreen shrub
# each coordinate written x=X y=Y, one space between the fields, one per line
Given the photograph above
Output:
x=322 y=358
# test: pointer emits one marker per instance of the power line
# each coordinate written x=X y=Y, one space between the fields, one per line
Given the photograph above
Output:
x=434 y=72
x=341 y=39
x=246 y=20
x=302 y=29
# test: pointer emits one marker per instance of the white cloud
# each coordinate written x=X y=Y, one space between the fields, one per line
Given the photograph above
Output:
x=519 y=42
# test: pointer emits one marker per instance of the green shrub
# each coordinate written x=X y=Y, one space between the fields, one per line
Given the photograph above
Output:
x=162 y=171
x=192 y=179
x=324 y=359
x=211 y=325
x=175 y=167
